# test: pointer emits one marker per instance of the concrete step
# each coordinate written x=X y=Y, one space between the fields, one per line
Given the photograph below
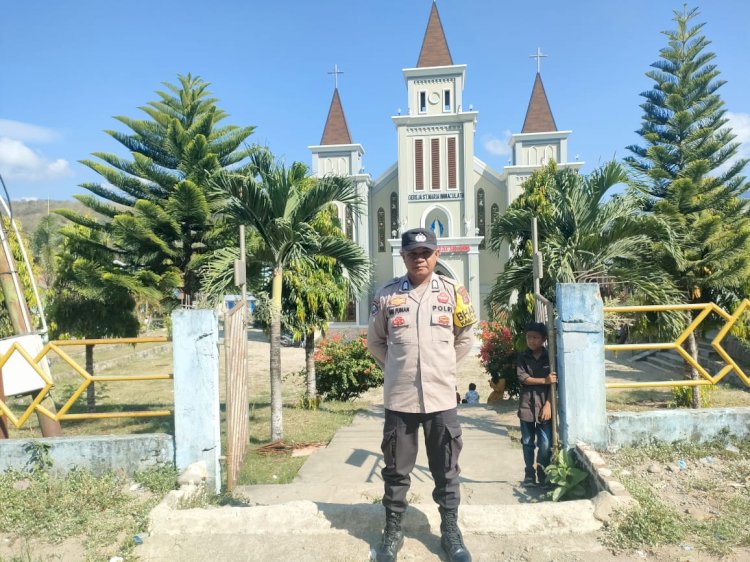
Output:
x=501 y=492
x=307 y=531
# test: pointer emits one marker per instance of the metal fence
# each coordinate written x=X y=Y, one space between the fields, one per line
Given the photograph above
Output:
x=62 y=414
x=704 y=309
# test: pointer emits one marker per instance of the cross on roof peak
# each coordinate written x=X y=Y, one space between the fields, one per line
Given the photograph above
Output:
x=336 y=73
x=538 y=56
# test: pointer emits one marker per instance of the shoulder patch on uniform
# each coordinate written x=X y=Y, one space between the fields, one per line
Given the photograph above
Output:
x=375 y=307
x=464 y=314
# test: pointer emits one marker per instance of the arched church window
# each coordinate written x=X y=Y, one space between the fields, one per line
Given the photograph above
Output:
x=494 y=212
x=481 y=216
x=394 y=214
x=381 y=230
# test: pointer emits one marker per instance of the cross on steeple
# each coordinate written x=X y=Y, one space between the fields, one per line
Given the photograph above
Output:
x=538 y=56
x=336 y=73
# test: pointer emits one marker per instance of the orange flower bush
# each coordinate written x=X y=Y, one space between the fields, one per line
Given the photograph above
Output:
x=498 y=355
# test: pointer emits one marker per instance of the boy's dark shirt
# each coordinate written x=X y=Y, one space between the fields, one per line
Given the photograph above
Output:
x=533 y=396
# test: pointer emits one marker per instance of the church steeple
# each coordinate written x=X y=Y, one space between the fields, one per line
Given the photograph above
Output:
x=539 y=115
x=336 y=130
x=435 y=50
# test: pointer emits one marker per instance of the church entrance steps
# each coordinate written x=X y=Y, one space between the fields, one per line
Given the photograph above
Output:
x=332 y=510
x=306 y=531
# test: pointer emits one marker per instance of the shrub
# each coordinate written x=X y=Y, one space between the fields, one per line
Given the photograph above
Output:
x=682 y=396
x=498 y=356
x=344 y=369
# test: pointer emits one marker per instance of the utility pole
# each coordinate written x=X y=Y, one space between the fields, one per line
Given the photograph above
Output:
x=20 y=320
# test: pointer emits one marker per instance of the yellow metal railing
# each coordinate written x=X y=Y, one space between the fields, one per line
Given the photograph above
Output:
x=62 y=413
x=705 y=309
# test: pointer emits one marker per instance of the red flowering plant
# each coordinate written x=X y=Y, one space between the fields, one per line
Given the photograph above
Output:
x=344 y=368
x=498 y=355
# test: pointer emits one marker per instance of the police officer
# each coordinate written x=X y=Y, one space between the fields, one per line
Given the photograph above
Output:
x=420 y=326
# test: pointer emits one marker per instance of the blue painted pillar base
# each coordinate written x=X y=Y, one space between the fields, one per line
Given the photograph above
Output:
x=580 y=362
x=197 y=421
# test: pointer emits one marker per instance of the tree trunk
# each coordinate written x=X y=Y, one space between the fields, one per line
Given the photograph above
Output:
x=90 y=389
x=277 y=422
x=692 y=349
x=312 y=390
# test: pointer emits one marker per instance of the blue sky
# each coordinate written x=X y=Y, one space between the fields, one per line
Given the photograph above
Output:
x=68 y=67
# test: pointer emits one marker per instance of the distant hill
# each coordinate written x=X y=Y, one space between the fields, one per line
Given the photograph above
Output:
x=29 y=212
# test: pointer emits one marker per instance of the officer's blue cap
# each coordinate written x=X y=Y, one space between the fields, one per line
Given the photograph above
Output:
x=418 y=238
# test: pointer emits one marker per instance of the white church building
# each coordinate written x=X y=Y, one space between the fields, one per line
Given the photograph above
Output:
x=437 y=182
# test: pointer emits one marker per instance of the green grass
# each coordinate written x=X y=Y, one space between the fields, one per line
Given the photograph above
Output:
x=300 y=426
x=721 y=396
x=669 y=452
x=100 y=511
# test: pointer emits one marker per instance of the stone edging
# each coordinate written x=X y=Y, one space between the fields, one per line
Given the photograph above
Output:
x=611 y=495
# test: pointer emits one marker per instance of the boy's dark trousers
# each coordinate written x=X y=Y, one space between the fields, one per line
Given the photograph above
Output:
x=541 y=432
x=442 y=435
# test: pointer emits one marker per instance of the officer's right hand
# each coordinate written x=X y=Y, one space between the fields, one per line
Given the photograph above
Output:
x=551 y=378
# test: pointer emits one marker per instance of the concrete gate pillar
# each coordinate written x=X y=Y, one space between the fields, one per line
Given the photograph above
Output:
x=197 y=422
x=580 y=361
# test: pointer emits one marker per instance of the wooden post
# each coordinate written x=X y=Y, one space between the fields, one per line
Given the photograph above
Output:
x=3 y=419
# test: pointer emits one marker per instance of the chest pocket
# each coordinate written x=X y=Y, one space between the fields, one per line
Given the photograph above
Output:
x=401 y=328
x=441 y=325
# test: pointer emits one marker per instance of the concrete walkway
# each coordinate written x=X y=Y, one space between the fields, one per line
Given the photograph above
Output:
x=348 y=470
x=332 y=510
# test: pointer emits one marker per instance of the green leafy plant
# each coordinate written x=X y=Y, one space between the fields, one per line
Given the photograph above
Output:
x=571 y=481
x=682 y=396
x=345 y=369
x=651 y=523
x=40 y=460
x=159 y=480
x=498 y=355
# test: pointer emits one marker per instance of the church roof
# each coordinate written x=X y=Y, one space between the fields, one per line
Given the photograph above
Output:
x=336 y=130
x=435 y=50
x=539 y=115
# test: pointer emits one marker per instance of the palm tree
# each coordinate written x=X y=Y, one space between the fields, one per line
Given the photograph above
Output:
x=582 y=237
x=271 y=198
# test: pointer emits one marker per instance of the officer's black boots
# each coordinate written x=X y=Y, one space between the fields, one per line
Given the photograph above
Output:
x=393 y=537
x=451 y=540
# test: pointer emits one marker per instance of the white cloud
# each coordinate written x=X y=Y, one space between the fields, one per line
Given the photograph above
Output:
x=496 y=146
x=26 y=132
x=18 y=161
x=740 y=125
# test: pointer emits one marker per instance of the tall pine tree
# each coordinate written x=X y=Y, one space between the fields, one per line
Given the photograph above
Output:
x=152 y=220
x=687 y=168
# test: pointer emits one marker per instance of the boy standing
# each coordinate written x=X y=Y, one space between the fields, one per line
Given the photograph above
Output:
x=534 y=407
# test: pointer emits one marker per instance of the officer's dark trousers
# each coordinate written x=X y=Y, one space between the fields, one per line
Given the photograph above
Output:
x=442 y=436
